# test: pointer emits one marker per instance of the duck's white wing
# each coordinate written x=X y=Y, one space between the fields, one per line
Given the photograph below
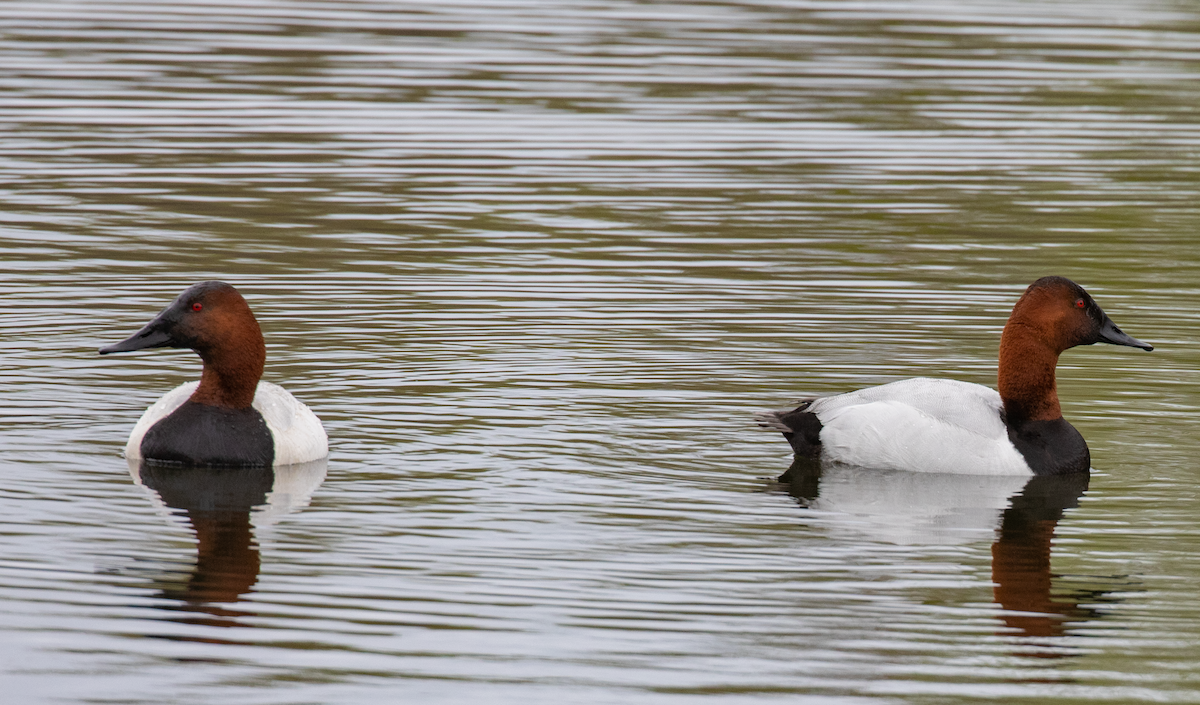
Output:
x=971 y=406
x=298 y=433
x=922 y=425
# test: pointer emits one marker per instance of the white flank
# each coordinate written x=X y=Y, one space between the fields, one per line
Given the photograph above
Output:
x=920 y=425
x=296 y=430
x=298 y=433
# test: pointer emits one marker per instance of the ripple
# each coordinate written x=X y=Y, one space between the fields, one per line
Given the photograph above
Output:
x=536 y=266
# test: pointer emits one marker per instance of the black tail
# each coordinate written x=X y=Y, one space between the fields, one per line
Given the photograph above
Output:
x=800 y=427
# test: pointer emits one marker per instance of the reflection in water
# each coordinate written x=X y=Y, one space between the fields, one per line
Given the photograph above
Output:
x=534 y=264
x=928 y=508
x=1021 y=559
x=910 y=508
x=223 y=506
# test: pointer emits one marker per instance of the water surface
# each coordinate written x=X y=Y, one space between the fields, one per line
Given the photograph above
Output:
x=536 y=265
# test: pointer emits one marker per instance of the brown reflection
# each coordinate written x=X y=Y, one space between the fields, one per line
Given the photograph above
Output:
x=1021 y=577
x=217 y=503
x=1023 y=584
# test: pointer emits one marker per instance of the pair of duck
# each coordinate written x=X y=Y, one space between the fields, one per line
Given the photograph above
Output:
x=230 y=417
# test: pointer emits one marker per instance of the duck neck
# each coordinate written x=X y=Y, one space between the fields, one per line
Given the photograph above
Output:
x=230 y=378
x=1026 y=375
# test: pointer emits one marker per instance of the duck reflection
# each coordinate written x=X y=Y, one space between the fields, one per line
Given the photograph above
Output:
x=1018 y=514
x=1021 y=577
x=224 y=506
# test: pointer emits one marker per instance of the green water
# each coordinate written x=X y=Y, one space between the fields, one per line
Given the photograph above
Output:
x=536 y=266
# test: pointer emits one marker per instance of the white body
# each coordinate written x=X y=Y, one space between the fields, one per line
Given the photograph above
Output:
x=296 y=430
x=920 y=425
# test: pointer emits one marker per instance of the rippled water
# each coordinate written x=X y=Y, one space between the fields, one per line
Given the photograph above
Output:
x=536 y=265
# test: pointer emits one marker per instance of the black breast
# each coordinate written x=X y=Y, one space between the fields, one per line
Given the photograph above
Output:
x=199 y=434
x=1051 y=447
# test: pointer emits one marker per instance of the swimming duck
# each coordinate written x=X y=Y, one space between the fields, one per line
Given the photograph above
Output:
x=947 y=426
x=228 y=417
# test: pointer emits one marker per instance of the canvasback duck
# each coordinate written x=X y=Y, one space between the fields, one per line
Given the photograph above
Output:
x=229 y=417
x=946 y=426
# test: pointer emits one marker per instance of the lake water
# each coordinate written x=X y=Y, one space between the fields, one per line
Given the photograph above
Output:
x=536 y=265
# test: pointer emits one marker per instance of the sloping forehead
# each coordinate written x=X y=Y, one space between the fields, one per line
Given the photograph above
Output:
x=1060 y=286
x=210 y=291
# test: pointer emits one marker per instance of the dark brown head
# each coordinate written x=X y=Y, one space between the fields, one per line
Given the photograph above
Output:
x=214 y=320
x=1053 y=315
x=1064 y=315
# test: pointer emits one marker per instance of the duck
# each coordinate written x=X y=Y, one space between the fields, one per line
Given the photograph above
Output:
x=229 y=417
x=949 y=426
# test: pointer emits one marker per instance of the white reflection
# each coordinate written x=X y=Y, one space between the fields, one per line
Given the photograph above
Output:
x=914 y=508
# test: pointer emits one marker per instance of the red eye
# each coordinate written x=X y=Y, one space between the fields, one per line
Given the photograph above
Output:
x=196 y=306
x=1078 y=304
